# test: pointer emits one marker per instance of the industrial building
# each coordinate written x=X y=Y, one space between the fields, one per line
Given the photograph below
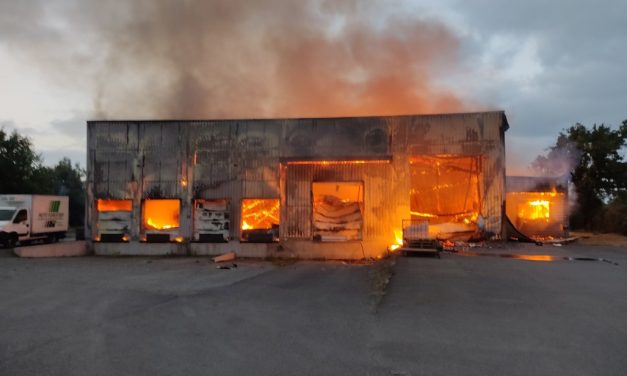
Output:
x=537 y=207
x=324 y=188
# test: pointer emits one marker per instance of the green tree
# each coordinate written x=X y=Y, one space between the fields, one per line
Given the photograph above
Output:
x=21 y=170
x=592 y=156
x=68 y=181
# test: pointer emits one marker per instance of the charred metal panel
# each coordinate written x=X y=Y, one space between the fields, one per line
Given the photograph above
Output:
x=341 y=138
x=382 y=198
x=236 y=159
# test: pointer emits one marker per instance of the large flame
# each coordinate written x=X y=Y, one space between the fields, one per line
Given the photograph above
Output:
x=260 y=213
x=535 y=210
x=161 y=214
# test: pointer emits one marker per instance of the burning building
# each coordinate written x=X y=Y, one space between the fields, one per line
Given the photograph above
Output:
x=537 y=207
x=311 y=188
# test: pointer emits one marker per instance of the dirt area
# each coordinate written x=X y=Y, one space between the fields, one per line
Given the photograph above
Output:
x=590 y=238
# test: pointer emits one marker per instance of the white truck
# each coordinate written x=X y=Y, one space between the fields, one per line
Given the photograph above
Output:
x=24 y=218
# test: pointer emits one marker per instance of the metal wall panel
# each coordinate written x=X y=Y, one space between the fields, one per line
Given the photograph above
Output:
x=236 y=159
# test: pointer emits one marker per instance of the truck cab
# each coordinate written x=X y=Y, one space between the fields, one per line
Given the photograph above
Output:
x=24 y=218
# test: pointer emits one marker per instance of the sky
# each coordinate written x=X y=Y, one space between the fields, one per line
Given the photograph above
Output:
x=547 y=64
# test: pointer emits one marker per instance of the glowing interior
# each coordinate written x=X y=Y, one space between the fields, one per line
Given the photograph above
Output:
x=445 y=191
x=260 y=214
x=161 y=214
x=339 y=162
x=536 y=209
x=113 y=205
x=536 y=214
x=337 y=210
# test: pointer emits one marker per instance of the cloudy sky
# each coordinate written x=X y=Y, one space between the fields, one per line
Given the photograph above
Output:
x=548 y=64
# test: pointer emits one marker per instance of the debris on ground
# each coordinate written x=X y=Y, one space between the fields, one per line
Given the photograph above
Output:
x=229 y=256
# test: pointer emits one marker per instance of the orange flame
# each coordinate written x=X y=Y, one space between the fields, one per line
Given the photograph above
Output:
x=536 y=209
x=260 y=213
x=398 y=236
x=326 y=163
x=114 y=205
x=161 y=214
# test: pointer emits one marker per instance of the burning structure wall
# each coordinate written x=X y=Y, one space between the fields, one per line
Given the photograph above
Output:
x=340 y=187
x=537 y=207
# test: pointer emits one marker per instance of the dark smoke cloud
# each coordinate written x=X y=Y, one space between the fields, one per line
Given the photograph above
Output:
x=220 y=58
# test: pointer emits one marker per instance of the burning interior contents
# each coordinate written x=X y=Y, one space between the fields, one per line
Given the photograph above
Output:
x=444 y=193
x=332 y=188
x=160 y=219
x=537 y=207
x=114 y=220
x=337 y=211
x=260 y=220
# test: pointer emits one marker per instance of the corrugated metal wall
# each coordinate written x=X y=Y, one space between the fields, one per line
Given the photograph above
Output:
x=238 y=159
x=381 y=201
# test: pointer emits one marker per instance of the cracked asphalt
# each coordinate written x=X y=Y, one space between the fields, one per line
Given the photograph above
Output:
x=457 y=315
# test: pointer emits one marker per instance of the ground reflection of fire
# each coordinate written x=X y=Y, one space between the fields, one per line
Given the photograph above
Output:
x=161 y=214
x=260 y=213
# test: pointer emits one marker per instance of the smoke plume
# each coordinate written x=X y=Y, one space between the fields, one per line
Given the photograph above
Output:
x=226 y=59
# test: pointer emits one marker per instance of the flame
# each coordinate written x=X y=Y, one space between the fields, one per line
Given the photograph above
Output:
x=184 y=182
x=398 y=236
x=161 y=214
x=426 y=215
x=178 y=239
x=113 y=205
x=333 y=162
x=125 y=238
x=260 y=213
x=536 y=209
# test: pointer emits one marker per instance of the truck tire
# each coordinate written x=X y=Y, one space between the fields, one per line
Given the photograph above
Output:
x=11 y=240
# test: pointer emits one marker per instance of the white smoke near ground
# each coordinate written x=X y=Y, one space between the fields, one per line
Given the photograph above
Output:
x=238 y=59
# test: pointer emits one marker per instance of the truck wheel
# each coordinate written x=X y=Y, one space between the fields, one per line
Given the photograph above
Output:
x=10 y=242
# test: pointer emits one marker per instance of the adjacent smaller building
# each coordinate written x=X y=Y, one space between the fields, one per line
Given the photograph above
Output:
x=537 y=207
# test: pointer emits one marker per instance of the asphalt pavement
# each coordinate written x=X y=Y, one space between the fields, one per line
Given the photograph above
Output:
x=457 y=315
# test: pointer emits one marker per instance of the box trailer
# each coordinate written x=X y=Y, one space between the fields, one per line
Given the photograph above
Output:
x=24 y=218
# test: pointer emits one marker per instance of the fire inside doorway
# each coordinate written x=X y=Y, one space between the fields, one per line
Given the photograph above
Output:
x=322 y=188
x=445 y=193
x=260 y=220
x=537 y=207
x=337 y=211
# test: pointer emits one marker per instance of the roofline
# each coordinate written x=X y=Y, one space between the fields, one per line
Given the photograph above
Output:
x=195 y=120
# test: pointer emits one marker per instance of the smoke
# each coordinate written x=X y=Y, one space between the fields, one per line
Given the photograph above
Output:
x=225 y=59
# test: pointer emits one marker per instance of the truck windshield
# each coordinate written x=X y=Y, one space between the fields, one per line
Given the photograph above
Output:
x=6 y=214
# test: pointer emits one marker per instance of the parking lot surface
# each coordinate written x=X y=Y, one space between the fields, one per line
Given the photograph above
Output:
x=457 y=315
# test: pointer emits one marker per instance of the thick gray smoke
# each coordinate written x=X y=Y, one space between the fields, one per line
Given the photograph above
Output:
x=221 y=58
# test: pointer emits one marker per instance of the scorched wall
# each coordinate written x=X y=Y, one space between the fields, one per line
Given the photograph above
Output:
x=281 y=159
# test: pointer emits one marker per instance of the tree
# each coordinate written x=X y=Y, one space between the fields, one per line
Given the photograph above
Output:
x=68 y=181
x=22 y=172
x=593 y=159
x=20 y=166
